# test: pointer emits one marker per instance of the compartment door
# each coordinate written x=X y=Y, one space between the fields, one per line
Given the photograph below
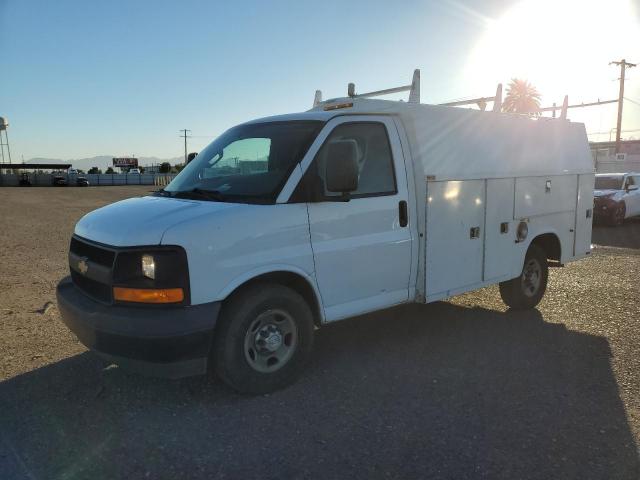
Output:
x=500 y=247
x=455 y=224
x=584 y=215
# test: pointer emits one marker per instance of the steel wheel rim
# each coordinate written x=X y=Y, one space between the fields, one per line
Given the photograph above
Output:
x=531 y=277
x=270 y=341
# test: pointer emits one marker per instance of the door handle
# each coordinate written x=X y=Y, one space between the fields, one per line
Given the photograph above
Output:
x=404 y=216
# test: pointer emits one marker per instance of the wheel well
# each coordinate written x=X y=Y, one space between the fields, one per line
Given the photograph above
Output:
x=550 y=243
x=295 y=282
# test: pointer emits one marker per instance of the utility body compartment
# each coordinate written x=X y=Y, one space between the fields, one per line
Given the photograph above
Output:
x=471 y=225
x=477 y=176
x=544 y=195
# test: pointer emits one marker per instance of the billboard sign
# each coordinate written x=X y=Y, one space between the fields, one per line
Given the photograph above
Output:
x=125 y=162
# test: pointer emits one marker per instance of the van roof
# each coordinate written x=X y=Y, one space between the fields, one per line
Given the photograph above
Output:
x=452 y=143
x=311 y=115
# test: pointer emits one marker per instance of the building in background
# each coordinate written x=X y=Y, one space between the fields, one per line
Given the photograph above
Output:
x=606 y=160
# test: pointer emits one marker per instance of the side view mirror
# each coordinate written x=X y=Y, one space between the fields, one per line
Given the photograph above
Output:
x=342 y=166
x=191 y=156
x=631 y=188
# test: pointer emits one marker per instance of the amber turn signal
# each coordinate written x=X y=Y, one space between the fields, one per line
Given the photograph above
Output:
x=148 y=295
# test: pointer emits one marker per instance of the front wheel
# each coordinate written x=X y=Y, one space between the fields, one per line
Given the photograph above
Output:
x=264 y=338
x=527 y=290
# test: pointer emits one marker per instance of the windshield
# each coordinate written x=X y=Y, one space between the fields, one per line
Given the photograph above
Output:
x=248 y=163
x=609 y=183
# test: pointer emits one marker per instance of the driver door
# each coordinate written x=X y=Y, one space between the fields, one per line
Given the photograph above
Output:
x=361 y=247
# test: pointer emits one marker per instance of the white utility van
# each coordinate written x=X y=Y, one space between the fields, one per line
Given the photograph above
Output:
x=287 y=223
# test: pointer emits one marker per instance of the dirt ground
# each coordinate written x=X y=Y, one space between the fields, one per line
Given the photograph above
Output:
x=459 y=389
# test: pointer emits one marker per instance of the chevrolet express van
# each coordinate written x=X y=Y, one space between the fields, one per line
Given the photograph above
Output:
x=285 y=224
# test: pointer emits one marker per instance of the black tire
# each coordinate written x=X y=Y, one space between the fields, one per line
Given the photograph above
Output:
x=617 y=215
x=525 y=292
x=269 y=306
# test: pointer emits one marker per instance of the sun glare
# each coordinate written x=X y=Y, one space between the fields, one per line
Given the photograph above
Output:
x=560 y=46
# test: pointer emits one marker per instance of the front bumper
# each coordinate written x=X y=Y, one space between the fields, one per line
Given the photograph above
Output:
x=160 y=341
x=604 y=207
x=602 y=210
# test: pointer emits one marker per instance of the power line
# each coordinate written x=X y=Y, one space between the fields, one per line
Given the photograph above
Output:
x=607 y=133
x=637 y=102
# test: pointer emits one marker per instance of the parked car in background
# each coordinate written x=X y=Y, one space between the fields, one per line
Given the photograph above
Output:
x=59 y=181
x=616 y=197
x=72 y=171
x=82 y=182
x=134 y=171
x=24 y=180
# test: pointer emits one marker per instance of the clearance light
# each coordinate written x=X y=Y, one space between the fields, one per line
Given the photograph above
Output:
x=148 y=295
x=336 y=106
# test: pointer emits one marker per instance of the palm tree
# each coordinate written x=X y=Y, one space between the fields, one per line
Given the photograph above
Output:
x=522 y=97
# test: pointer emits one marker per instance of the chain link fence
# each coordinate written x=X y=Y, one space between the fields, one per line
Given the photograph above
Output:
x=94 y=179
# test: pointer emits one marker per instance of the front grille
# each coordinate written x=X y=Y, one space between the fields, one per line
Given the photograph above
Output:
x=94 y=255
x=97 y=290
x=93 y=252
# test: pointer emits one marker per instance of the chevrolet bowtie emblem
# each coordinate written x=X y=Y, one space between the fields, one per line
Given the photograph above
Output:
x=83 y=266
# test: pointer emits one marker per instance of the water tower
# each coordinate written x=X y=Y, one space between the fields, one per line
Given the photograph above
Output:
x=4 y=124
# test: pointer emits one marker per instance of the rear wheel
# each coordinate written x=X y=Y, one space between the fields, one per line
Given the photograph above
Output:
x=527 y=290
x=264 y=339
x=617 y=215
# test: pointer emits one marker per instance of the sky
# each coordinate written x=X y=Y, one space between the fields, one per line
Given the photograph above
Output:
x=85 y=78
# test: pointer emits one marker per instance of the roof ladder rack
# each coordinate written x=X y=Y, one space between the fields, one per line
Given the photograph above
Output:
x=317 y=99
x=480 y=102
x=565 y=107
x=413 y=88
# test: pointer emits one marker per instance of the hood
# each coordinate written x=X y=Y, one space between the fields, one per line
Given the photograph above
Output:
x=604 y=193
x=142 y=220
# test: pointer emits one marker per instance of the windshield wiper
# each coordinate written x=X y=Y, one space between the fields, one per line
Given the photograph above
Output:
x=214 y=195
x=161 y=193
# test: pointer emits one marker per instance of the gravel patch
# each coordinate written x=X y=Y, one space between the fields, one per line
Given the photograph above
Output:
x=459 y=389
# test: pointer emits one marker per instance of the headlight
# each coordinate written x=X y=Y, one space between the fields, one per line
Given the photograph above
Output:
x=148 y=266
x=153 y=274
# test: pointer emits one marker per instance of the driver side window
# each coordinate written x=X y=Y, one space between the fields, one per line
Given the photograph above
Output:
x=375 y=162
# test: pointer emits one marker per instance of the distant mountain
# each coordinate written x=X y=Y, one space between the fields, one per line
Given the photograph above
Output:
x=104 y=161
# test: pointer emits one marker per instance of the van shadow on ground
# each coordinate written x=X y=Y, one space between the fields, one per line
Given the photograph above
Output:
x=624 y=236
x=437 y=391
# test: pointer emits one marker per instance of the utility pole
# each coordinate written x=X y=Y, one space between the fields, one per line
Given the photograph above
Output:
x=184 y=134
x=623 y=66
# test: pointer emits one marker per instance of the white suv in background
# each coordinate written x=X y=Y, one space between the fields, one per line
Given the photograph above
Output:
x=616 y=197
x=134 y=171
